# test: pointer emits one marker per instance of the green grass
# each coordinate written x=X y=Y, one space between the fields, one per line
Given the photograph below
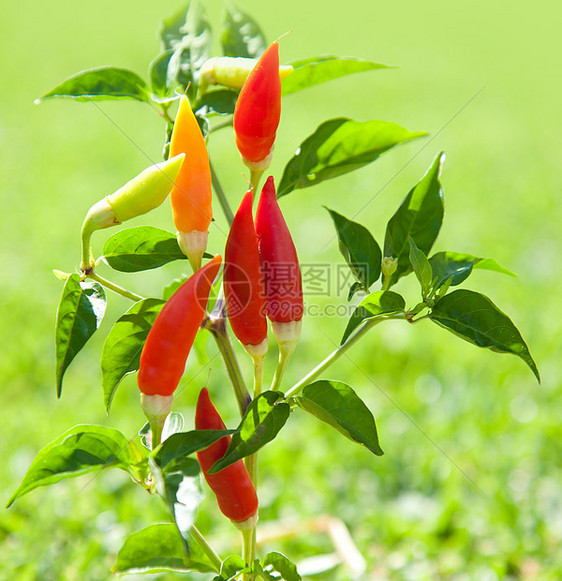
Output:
x=469 y=487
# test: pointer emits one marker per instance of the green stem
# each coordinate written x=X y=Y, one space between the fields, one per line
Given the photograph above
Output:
x=156 y=428
x=255 y=177
x=86 y=235
x=115 y=288
x=221 y=196
x=336 y=354
x=221 y=125
x=217 y=327
x=284 y=356
x=249 y=542
x=252 y=461
x=206 y=548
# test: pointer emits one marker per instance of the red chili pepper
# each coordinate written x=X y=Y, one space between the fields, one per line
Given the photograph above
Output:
x=236 y=495
x=279 y=260
x=243 y=280
x=258 y=110
x=282 y=276
x=191 y=195
x=171 y=337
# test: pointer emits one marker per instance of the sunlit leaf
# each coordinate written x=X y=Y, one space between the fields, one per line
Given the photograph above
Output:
x=476 y=319
x=263 y=420
x=80 y=312
x=141 y=248
x=420 y=216
x=376 y=304
x=359 y=249
x=241 y=34
x=459 y=266
x=335 y=403
x=100 y=84
x=339 y=146
x=160 y=548
x=82 y=449
x=123 y=346
x=315 y=70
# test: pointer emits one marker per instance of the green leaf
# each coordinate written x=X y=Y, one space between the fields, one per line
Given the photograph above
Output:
x=359 y=249
x=158 y=73
x=420 y=216
x=181 y=445
x=82 y=449
x=354 y=288
x=180 y=487
x=220 y=102
x=316 y=70
x=189 y=35
x=335 y=403
x=159 y=548
x=123 y=346
x=459 y=266
x=263 y=420
x=99 y=84
x=376 y=304
x=241 y=34
x=231 y=566
x=79 y=314
x=279 y=563
x=421 y=267
x=339 y=146
x=141 y=248
x=475 y=318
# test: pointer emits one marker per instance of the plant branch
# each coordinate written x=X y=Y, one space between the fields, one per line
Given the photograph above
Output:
x=206 y=548
x=221 y=195
x=337 y=353
x=249 y=542
x=114 y=287
x=215 y=323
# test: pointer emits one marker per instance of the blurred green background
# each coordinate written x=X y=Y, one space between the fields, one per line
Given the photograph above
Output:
x=469 y=487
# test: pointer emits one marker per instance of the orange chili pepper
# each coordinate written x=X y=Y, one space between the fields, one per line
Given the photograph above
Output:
x=192 y=195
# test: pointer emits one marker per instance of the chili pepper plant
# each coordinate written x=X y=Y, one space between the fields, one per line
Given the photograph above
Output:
x=239 y=291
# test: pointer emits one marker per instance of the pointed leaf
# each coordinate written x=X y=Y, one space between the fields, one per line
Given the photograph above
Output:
x=420 y=216
x=160 y=82
x=335 y=403
x=263 y=420
x=182 y=444
x=189 y=35
x=241 y=34
x=159 y=548
x=339 y=146
x=82 y=449
x=376 y=304
x=359 y=249
x=230 y=568
x=459 y=266
x=219 y=102
x=180 y=487
x=142 y=248
x=123 y=346
x=354 y=288
x=421 y=267
x=315 y=70
x=279 y=563
x=475 y=318
x=100 y=84
x=79 y=315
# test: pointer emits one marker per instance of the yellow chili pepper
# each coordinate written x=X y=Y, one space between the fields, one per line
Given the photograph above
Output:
x=231 y=72
x=138 y=196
